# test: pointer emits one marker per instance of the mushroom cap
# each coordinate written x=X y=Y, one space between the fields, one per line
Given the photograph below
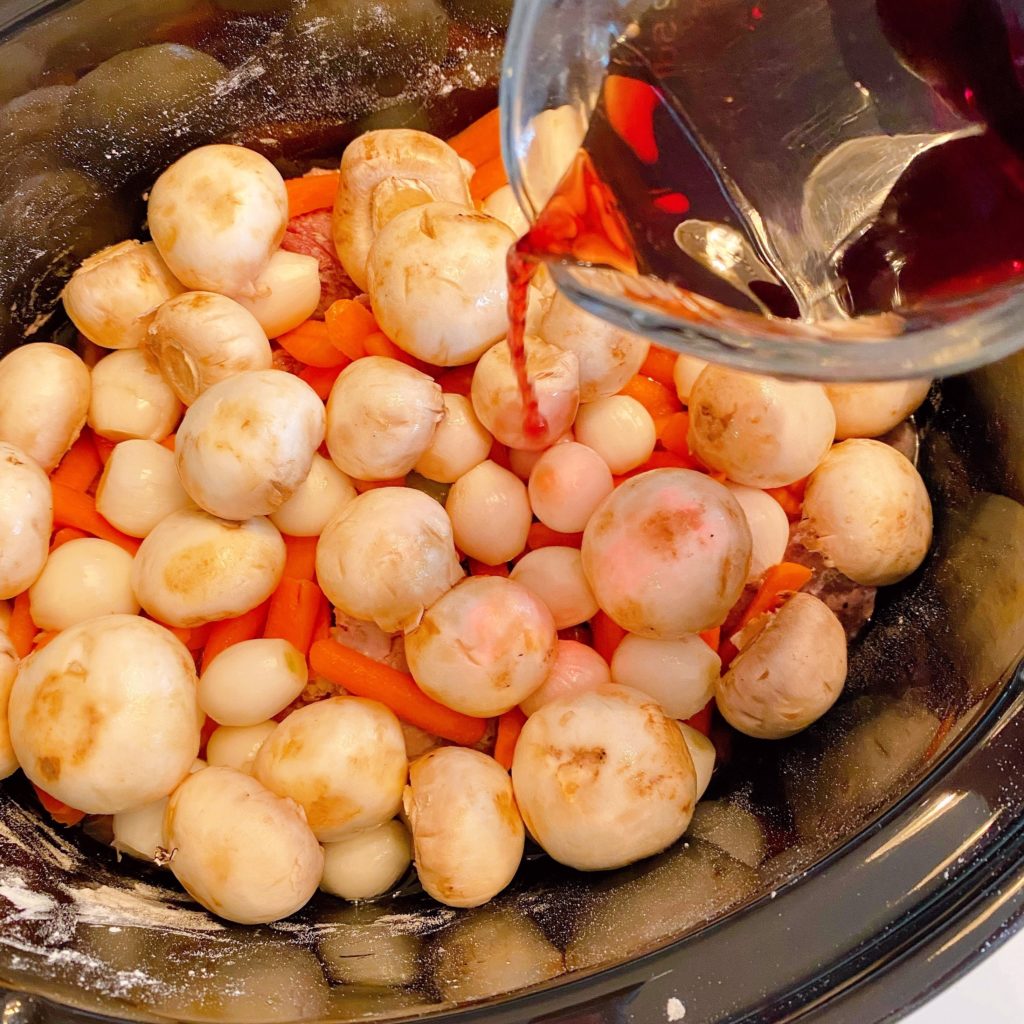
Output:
x=873 y=409
x=26 y=519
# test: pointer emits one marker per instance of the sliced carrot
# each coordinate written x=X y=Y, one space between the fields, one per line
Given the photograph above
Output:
x=80 y=466
x=362 y=486
x=22 y=630
x=228 y=632
x=483 y=569
x=481 y=141
x=657 y=399
x=712 y=637
x=72 y=508
x=541 y=536
x=300 y=557
x=661 y=460
x=61 y=537
x=702 y=720
x=368 y=678
x=608 y=634
x=499 y=454
x=168 y=442
x=104 y=446
x=320 y=378
x=61 y=812
x=198 y=636
x=312 y=192
x=309 y=343
x=42 y=639
x=673 y=431
x=457 y=381
x=379 y=344
x=292 y=613
x=791 y=498
x=180 y=633
x=510 y=725
x=349 y=323
x=209 y=728
x=322 y=626
x=489 y=177
x=660 y=365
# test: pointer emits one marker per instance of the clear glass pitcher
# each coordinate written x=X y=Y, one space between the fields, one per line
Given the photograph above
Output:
x=817 y=132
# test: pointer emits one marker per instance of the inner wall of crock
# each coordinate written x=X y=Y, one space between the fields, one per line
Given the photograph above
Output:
x=100 y=95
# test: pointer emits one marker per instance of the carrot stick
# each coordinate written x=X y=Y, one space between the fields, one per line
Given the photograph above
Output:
x=42 y=639
x=310 y=344
x=791 y=498
x=457 y=381
x=379 y=344
x=660 y=364
x=322 y=626
x=489 y=177
x=292 y=613
x=228 y=632
x=22 y=630
x=181 y=633
x=210 y=726
x=61 y=537
x=673 y=431
x=80 y=466
x=712 y=637
x=608 y=634
x=349 y=323
x=320 y=378
x=368 y=678
x=481 y=141
x=104 y=446
x=510 y=725
x=72 y=508
x=61 y=812
x=541 y=536
x=702 y=720
x=362 y=486
x=483 y=569
x=168 y=442
x=657 y=399
x=499 y=454
x=312 y=192
x=300 y=557
x=198 y=636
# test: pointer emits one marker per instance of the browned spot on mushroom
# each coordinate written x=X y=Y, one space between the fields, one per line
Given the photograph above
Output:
x=579 y=767
x=507 y=810
x=49 y=768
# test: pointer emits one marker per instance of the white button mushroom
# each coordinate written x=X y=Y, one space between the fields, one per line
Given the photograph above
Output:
x=460 y=442
x=247 y=443
x=130 y=398
x=467 y=834
x=381 y=418
x=667 y=553
x=769 y=527
x=44 y=400
x=111 y=295
x=252 y=681
x=685 y=374
x=201 y=338
x=483 y=647
x=8 y=673
x=501 y=203
x=608 y=356
x=555 y=574
x=342 y=760
x=567 y=483
x=757 y=430
x=194 y=568
x=869 y=410
x=367 y=863
x=26 y=519
x=490 y=513
x=577 y=668
x=316 y=501
x=217 y=215
x=242 y=852
x=286 y=293
x=702 y=753
x=498 y=402
x=104 y=717
x=789 y=675
x=236 y=747
x=82 y=579
x=603 y=778
x=378 y=169
x=867 y=510
x=619 y=429
x=387 y=556
x=139 y=487
x=680 y=675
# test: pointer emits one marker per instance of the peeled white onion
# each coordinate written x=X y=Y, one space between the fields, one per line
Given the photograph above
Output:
x=286 y=293
x=367 y=863
x=131 y=399
x=252 y=681
x=26 y=519
x=315 y=502
x=231 y=746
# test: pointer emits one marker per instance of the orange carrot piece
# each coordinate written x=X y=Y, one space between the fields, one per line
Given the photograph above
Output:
x=198 y=636
x=168 y=442
x=657 y=399
x=457 y=381
x=292 y=614
x=541 y=536
x=489 y=177
x=660 y=365
x=661 y=460
x=309 y=343
x=510 y=725
x=312 y=192
x=210 y=726
x=72 y=508
x=499 y=454
x=80 y=466
x=481 y=141
x=362 y=486
x=300 y=557
x=791 y=498
x=379 y=344
x=608 y=634
x=368 y=678
x=322 y=626
x=320 y=378
x=228 y=632
x=22 y=630
x=483 y=569
x=42 y=639
x=62 y=537
x=712 y=637
x=181 y=633
x=702 y=720
x=349 y=323
x=673 y=433
x=61 y=812
x=104 y=446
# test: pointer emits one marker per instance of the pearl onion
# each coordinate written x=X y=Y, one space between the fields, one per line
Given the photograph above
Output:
x=44 y=400
x=26 y=519
x=460 y=442
x=194 y=568
x=200 y=338
x=111 y=295
x=131 y=399
x=577 y=668
x=231 y=746
x=242 y=852
x=490 y=513
x=139 y=487
x=521 y=461
x=381 y=418
x=869 y=410
x=252 y=681
x=467 y=834
x=680 y=675
x=667 y=553
x=105 y=716
x=316 y=501
x=387 y=556
x=217 y=215
x=502 y=203
x=568 y=482
x=685 y=373
x=8 y=673
x=619 y=429
x=603 y=778
x=499 y=404
x=769 y=528
x=247 y=443
x=483 y=647
x=82 y=579
x=286 y=293
x=555 y=575
x=757 y=430
x=367 y=863
x=702 y=753
x=342 y=760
